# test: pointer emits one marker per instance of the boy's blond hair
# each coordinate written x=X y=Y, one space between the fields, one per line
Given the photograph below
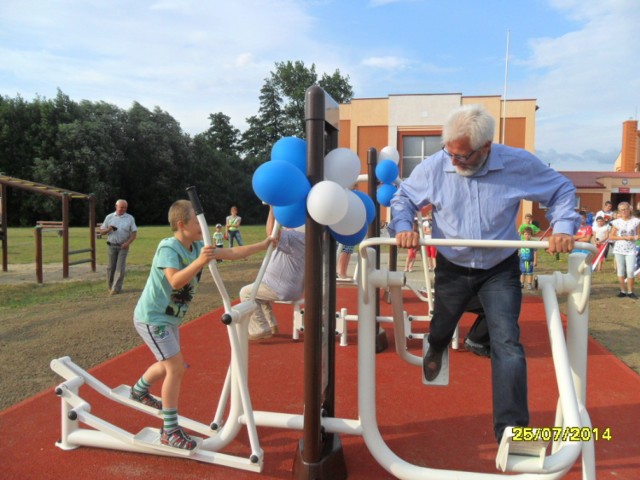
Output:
x=181 y=210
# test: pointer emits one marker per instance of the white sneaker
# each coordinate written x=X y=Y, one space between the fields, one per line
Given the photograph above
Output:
x=261 y=335
x=259 y=328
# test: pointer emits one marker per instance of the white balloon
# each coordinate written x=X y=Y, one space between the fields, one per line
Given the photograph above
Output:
x=355 y=217
x=342 y=166
x=327 y=202
x=389 y=153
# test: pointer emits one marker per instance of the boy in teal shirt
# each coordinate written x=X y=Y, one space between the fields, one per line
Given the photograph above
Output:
x=175 y=273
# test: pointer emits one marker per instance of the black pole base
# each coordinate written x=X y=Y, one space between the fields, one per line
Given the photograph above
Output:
x=330 y=467
x=381 y=340
x=386 y=296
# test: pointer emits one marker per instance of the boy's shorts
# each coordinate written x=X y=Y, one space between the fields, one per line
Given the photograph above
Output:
x=347 y=249
x=526 y=267
x=163 y=340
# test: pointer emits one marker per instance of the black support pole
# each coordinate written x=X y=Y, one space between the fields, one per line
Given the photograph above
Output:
x=374 y=231
x=319 y=455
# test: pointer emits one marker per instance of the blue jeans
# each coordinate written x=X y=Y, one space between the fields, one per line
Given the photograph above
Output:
x=498 y=290
x=235 y=234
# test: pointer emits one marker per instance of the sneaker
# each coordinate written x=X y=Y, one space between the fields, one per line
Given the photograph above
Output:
x=261 y=335
x=529 y=286
x=621 y=295
x=177 y=438
x=146 y=399
x=632 y=295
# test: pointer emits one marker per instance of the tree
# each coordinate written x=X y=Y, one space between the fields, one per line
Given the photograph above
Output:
x=337 y=86
x=282 y=100
x=268 y=126
x=292 y=81
x=157 y=154
x=221 y=135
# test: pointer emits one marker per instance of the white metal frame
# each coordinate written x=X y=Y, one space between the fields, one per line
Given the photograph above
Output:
x=570 y=358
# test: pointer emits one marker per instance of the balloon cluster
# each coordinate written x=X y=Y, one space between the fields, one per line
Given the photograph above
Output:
x=387 y=173
x=282 y=182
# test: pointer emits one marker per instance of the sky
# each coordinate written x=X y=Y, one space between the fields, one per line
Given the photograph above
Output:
x=578 y=58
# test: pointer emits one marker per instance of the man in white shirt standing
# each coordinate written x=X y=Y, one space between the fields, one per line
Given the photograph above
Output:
x=121 y=231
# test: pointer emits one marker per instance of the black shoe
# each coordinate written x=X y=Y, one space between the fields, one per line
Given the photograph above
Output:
x=431 y=364
x=632 y=295
x=621 y=295
x=477 y=348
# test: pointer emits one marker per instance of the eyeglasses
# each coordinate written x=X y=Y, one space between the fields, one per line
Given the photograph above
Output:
x=624 y=209
x=459 y=158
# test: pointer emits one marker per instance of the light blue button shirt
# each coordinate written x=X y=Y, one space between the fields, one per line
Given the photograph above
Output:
x=485 y=205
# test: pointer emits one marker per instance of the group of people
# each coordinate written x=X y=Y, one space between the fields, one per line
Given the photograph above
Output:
x=475 y=188
x=622 y=229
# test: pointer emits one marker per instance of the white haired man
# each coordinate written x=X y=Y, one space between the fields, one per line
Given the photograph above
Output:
x=475 y=188
x=121 y=231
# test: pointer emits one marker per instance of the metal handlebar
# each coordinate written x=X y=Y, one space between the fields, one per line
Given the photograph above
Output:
x=515 y=244
x=206 y=236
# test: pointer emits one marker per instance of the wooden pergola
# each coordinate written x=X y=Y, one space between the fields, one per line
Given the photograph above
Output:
x=65 y=196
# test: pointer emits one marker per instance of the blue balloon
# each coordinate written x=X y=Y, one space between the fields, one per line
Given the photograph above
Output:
x=292 y=150
x=385 y=193
x=280 y=183
x=387 y=171
x=368 y=205
x=292 y=216
x=350 y=240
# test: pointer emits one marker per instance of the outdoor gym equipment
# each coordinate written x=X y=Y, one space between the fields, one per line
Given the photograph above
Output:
x=570 y=363
x=65 y=197
x=527 y=458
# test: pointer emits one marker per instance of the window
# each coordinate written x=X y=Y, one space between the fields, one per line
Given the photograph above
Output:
x=416 y=148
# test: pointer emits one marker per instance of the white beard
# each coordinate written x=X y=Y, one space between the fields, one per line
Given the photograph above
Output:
x=471 y=170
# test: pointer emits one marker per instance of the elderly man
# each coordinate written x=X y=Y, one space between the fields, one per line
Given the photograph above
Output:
x=475 y=188
x=121 y=231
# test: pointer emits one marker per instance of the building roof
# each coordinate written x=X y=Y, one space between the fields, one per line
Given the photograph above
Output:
x=590 y=179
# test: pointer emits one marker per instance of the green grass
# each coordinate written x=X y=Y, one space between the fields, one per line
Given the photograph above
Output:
x=21 y=242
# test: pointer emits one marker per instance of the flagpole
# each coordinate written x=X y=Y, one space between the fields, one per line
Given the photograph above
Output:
x=504 y=95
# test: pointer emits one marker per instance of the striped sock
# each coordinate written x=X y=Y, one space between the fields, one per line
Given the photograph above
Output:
x=170 y=417
x=141 y=387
